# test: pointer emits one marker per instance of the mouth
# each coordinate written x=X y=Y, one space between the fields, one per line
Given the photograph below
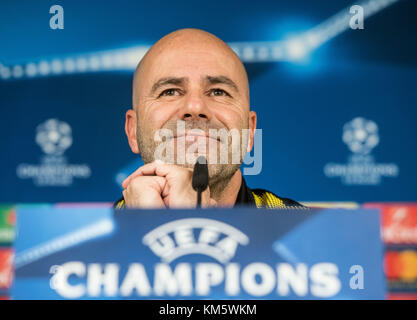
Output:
x=193 y=136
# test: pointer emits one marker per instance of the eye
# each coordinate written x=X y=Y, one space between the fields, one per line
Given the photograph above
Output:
x=168 y=92
x=219 y=92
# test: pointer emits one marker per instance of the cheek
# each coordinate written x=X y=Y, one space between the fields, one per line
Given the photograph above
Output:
x=232 y=117
x=156 y=115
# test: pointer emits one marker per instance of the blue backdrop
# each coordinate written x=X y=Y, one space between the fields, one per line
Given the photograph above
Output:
x=336 y=105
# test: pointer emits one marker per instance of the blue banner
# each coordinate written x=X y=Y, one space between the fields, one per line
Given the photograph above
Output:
x=96 y=253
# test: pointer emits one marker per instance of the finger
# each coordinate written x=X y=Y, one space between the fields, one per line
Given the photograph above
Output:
x=150 y=168
x=154 y=182
x=145 y=192
x=147 y=169
x=169 y=171
x=157 y=168
x=126 y=181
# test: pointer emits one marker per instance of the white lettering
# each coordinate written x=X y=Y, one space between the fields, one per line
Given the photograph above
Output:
x=207 y=276
x=325 y=281
x=296 y=279
x=267 y=279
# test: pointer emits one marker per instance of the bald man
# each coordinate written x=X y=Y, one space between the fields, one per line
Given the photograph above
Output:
x=191 y=98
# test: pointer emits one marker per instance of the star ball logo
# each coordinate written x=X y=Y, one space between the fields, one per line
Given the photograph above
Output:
x=53 y=137
x=198 y=277
x=361 y=137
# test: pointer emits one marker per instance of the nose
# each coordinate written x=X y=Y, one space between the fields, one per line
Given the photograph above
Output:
x=195 y=108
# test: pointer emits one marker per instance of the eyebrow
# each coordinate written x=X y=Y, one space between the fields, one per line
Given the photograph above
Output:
x=222 y=80
x=167 y=81
x=212 y=80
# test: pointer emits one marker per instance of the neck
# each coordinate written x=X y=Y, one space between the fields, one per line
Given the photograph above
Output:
x=225 y=193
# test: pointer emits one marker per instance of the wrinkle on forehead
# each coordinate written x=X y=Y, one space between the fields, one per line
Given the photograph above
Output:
x=188 y=39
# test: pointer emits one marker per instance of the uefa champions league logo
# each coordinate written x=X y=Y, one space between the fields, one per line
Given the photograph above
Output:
x=54 y=137
x=361 y=136
x=176 y=239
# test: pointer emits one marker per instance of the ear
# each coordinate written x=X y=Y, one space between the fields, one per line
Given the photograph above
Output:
x=130 y=129
x=252 y=128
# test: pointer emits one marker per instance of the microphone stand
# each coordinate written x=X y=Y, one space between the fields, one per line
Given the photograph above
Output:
x=199 y=192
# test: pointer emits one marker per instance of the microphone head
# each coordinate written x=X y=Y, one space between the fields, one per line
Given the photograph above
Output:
x=200 y=175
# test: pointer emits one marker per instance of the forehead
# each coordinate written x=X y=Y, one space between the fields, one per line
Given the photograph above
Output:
x=192 y=62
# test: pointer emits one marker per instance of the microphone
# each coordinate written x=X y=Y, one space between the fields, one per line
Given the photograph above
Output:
x=200 y=178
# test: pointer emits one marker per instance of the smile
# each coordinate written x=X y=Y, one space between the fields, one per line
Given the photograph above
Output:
x=193 y=136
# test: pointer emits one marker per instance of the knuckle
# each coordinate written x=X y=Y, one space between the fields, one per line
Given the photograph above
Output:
x=142 y=182
x=135 y=183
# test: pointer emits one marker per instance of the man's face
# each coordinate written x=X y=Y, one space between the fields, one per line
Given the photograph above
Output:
x=200 y=87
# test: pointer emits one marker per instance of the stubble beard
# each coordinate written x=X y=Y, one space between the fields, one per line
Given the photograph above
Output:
x=219 y=173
